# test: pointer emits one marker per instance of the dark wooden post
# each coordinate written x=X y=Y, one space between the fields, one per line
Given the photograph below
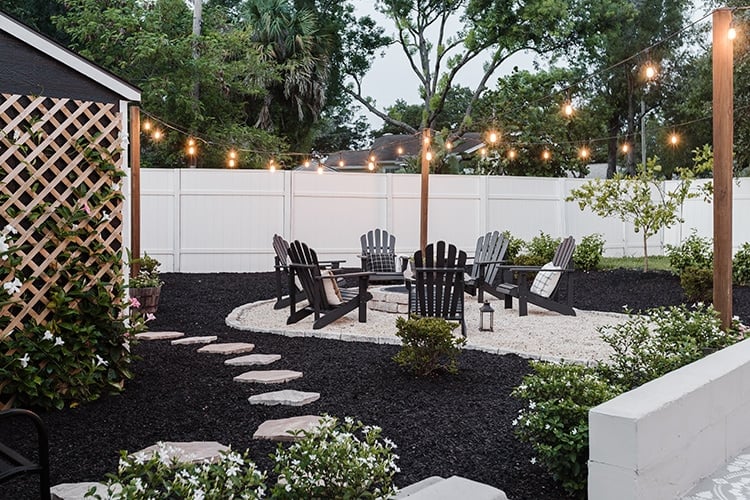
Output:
x=135 y=187
x=723 y=130
x=424 y=199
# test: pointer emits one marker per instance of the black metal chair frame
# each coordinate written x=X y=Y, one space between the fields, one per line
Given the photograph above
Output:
x=520 y=290
x=488 y=257
x=304 y=264
x=437 y=289
x=281 y=269
x=18 y=464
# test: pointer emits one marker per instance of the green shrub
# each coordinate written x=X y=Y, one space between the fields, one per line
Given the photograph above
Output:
x=588 y=252
x=542 y=246
x=694 y=251
x=162 y=477
x=514 y=246
x=698 y=284
x=741 y=265
x=529 y=260
x=555 y=422
x=428 y=345
x=331 y=461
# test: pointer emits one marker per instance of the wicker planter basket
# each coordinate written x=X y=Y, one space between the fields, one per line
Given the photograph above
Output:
x=148 y=298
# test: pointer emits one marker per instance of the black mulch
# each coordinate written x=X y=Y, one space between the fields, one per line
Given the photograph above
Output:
x=442 y=426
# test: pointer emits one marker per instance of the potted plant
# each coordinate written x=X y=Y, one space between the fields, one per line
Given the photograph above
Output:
x=145 y=287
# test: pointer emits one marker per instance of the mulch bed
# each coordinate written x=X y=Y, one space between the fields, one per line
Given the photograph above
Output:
x=443 y=426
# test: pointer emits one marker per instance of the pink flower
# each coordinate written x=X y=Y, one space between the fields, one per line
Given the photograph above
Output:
x=134 y=302
x=86 y=208
x=150 y=317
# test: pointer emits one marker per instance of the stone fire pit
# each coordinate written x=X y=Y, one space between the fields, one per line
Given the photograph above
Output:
x=390 y=299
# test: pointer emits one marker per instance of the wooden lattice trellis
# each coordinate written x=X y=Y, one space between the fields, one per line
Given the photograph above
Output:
x=43 y=165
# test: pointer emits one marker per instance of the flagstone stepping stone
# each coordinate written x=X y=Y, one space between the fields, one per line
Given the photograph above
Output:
x=268 y=376
x=286 y=397
x=186 y=452
x=228 y=348
x=159 y=335
x=279 y=430
x=77 y=491
x=194 y=340
x=253 y=359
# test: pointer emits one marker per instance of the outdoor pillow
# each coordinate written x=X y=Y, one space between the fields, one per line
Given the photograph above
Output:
x=381 y=263
x=546 y=280
x=333 y=294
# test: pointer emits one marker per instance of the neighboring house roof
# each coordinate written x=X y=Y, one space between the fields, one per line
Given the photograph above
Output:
x=77 y=63
x=391 y=150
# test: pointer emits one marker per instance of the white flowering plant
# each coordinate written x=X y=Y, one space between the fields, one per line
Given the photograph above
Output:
x=336 y=460
x=645 y=347
x=161 y=476
x=81 y=349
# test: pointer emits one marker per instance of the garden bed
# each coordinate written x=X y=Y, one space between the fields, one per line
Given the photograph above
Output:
x=443 y=426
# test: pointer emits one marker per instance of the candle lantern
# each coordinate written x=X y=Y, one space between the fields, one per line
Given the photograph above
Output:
x=486 y=317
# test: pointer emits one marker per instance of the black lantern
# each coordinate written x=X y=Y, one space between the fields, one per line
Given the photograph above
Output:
x=486 y=317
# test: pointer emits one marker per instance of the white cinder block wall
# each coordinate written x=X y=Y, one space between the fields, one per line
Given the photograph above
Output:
x=658 y=441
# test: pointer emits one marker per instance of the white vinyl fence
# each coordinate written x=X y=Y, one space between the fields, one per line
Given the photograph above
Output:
x=196 y=220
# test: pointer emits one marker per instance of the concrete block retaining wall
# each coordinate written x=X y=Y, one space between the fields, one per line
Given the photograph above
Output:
x=657 y=441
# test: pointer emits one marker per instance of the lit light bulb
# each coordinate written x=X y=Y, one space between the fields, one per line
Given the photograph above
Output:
x=341 y=163
x=372 y=158
x=448 y=145
x=320 y=169
x=232 y=163
x=625 y=148
x=493 y=137
x=307 y=163
x=674 y=139
x=146 y=125
x=157 y=134
x=191 y=150
x=483 y=151
x=371 y=166
x=545 y=155
x=650 y=71
x=426 y=140
x=400 y=150
x=232 y=154
x=191 y=142
x=428 y=156
x=568 y=109
x=732 y=33
x=272 y=167
x=583 y=153
x=512 y=154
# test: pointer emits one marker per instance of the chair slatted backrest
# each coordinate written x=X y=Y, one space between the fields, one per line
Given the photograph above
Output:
x=281 y=248
x=439 y=274
x=564 y=254
x=490 y=248
x=379 y=242
x=304 y=264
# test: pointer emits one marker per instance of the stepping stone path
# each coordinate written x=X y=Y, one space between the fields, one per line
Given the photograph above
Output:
x=286 y=397
x=76 y=491
x=268 y=376
x=159 y=335
x=253 y=359
x=228 y=348
x=279 y=430
x=194 y=340
x=186 y=452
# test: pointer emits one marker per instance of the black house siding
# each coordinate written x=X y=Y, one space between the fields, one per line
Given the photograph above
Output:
x=26 y=71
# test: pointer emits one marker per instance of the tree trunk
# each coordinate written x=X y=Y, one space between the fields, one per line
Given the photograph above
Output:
x=645 y=252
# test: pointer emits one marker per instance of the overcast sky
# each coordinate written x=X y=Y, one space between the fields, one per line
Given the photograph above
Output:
x=391 y=77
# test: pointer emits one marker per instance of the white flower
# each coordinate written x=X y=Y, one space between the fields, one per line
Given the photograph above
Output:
x=574 y=431
x=9 y=229
x=533 y=460
x=515 y=422
x=139 y=485
x=100 y=361
x=532 y=405
x=115 y=186
x=25 y=360
x=105 y=215
x=4 y=247
x=199 y=495
x=12 y=287
x=59 y=341
x=547 y=427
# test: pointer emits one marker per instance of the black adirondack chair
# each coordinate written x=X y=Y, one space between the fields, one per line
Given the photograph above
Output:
x=541 y=293
x=437 y=289
x=13 y=463
x=379 y=256
x=488 y=257
x=281 y=271
x=304 y=264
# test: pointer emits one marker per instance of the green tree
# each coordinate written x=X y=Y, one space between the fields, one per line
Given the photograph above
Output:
x=38 y=14
x=642 y=199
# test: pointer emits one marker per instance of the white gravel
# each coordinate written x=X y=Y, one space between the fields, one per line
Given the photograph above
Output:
x=540 y=335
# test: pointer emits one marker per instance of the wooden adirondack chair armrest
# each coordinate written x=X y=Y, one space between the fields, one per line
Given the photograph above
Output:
x=333 y=264
x=345 y=275
x=302 y=266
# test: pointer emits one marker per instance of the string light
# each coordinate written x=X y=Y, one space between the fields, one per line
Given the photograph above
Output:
x=483 y=151
x=512 y=154
x=732 y=32
x=371 y=165
x=625 y=148
x=400 y=150
x=372 y=158
x=146 y=126
x=426 y=140
x=307 y=164
x=232 y=161
x=493 y=137
x=650 y=71
x=568 y=109
x=583 y=153
x=320 y=169
x=448 y=145
x=428 y=155
x=191 y=147
x=271 y=165
x=546 y=155
x=157 y=135
x=674 y=139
